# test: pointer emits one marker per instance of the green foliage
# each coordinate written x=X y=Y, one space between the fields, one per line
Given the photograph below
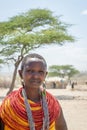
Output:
x=62 y=70
x=30 y=30
x=1 y=61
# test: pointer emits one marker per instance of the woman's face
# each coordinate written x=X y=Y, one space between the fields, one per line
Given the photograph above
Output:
x=33 y=73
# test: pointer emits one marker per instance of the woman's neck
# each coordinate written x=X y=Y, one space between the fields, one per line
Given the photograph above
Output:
x=33 y=94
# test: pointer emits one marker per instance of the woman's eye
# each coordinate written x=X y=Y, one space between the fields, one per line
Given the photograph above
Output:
x=29 y=71
x=41 y=72
x=34 y=72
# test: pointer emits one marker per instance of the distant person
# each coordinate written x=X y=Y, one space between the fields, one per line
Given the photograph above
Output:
x=31 y=107
x=62 y=83
x=54 y=85
x=86 y=82
x=72 y=85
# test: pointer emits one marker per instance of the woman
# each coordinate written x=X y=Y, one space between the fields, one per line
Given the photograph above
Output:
x=32 y=107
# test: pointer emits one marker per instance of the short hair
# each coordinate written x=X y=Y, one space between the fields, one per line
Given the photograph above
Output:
x=32 y=55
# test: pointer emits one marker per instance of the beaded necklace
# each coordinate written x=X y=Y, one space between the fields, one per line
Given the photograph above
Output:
x=45 y=109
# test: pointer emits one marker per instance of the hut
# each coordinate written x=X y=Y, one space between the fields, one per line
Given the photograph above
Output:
x=56 y=82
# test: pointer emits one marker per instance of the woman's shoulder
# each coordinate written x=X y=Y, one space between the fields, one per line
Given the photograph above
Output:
x=49 y=95
x=53 y=105
x=10 y=97
x=52 y=98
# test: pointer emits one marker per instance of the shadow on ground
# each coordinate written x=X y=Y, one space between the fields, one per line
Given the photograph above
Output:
x=61 y=97
x=65 y=97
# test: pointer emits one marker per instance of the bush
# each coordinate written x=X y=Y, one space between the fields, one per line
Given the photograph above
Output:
x=5 y=82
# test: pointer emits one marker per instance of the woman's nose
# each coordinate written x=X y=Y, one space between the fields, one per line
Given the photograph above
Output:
x=36 y=74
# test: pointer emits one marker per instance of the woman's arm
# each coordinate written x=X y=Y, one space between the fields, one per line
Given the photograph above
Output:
x=1 y=124
x=60 y=123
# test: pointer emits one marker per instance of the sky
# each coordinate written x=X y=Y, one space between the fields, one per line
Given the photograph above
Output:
x=72 y=12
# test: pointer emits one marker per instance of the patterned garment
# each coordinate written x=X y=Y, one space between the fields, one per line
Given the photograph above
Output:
x=14 y=116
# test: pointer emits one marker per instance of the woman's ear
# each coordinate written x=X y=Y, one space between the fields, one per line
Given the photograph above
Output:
x=20 y=73
x=46 y=73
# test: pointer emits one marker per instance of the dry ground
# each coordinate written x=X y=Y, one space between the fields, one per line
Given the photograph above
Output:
x=74 y=105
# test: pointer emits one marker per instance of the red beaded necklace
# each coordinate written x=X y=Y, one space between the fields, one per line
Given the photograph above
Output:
x=45 y=109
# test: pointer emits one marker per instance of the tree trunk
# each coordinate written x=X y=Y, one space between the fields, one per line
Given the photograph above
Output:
x=14 y=74
x=13 y=80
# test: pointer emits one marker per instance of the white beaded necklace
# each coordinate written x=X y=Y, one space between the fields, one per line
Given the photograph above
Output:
x=29 y=113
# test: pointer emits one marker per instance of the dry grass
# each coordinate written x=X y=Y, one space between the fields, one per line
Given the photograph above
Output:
x=5 y=82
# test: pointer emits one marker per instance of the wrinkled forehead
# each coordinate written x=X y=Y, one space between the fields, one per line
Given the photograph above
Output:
x=33 y=61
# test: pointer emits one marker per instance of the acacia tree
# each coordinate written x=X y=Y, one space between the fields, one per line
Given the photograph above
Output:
x=62 y=71
x=28 y=31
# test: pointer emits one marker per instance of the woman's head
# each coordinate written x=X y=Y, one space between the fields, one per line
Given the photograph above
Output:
x=33 y=70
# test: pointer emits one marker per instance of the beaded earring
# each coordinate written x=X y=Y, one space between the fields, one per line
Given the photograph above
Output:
x=44 y=84
x=22 y=82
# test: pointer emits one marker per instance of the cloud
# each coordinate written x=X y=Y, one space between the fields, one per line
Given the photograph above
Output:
x=84 y=12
